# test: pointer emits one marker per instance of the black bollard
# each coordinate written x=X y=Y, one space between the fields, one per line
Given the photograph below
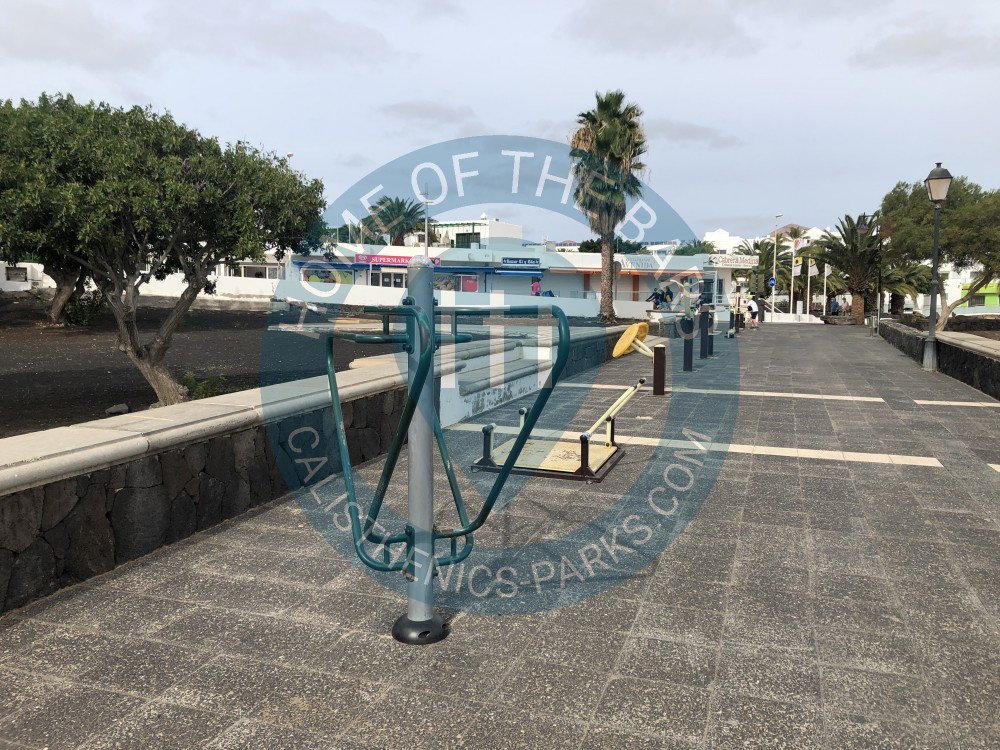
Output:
x=687 y=333
x=703 y=321
x=659 y=370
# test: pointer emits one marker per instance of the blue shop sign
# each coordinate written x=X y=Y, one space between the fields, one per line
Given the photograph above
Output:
x=521 y=262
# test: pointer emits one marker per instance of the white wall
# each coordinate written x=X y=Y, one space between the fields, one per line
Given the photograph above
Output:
x=36 y=278
x=226 y=286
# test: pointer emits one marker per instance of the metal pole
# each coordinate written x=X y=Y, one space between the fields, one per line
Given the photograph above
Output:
x=659 y=370
x=703 y=323
x=420 y=625
x=930 y=344
x=687 y=333
x=774 y=269
x=809 y=289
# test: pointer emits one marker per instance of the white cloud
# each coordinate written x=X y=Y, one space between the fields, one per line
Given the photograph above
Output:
x=647 y=27
x=689 y=132
x=932 y=46
x=124 y=37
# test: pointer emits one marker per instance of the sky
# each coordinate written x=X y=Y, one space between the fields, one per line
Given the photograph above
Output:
x=808 y=108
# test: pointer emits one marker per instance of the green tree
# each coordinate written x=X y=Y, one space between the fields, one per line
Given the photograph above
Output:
x=904 y=279
x=694 y=247
x=625 y=247
x=395 y=218
x=969 y=239
x=46 y=167
x=853 y=251
x=606 y=149
x=764 y=250
x=163 y=199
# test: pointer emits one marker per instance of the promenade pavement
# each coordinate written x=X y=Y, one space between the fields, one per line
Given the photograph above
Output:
x=835 y=585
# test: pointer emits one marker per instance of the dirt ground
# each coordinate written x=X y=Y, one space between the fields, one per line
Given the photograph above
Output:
x=50 y=377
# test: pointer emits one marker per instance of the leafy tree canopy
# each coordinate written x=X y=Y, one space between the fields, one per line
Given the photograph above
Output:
x=695 y=247
x=129 y=195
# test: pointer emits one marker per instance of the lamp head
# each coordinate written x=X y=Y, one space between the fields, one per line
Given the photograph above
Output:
x=937 y=184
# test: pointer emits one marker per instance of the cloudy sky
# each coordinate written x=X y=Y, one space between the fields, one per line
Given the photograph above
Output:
x=752 y=107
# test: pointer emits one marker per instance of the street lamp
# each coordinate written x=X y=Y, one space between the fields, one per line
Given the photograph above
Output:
x=937 y=183
x=866 y=222
x=774 y=269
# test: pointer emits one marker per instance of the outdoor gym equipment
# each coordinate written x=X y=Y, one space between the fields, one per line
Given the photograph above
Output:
x=589 y=460
x=420 y=560
x=631 y=341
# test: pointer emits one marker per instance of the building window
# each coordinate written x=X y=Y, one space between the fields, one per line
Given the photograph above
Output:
x=978 y=300
x=466 y=239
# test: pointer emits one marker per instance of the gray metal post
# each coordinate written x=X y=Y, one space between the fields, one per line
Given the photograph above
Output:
x=659 y=370
x=420 y=625
x=930 y=343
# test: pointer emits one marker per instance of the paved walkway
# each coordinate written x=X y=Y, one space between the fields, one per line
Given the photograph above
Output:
x=838 y=587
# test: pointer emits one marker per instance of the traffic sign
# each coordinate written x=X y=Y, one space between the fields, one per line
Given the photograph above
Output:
x=771 y=282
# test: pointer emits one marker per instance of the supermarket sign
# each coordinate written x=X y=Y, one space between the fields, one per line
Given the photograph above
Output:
x=389 y=260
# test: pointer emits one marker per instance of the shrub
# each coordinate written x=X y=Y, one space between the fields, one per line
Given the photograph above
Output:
x=213 y=386
x=83 y=310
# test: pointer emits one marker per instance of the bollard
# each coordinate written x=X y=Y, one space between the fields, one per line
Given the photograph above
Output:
x=420 y=624
x=659 y=370
x=687 y=332
x=703 y=321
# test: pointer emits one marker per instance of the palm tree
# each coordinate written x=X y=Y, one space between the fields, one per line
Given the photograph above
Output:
x=395 y=217
x=764 y=250
x=606 y=148
x=904 y=279
x=854 y=251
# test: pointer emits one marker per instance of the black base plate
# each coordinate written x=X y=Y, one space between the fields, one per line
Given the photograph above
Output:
x=420 y=632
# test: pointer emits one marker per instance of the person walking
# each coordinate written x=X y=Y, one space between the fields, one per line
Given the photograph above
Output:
x=536 y=287
x=754 y=309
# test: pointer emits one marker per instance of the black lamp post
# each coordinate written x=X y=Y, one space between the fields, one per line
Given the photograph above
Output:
x=864 y=222
x=937 y=182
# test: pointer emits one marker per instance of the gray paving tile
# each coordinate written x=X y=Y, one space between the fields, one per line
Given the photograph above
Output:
x=740 y=721
x=878 y=651
x=891 y=697
x=670 y=661
x=768 y=673
x=65 y=717
x=654 y=707
x=873 y=734
x=158 y=726
x=253 y=735
x=678 y=624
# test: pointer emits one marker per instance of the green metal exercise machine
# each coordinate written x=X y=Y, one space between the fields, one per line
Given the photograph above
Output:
x=420 y=423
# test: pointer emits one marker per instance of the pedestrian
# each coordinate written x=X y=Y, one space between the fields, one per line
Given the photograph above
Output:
x=834 y=306
x=753 y=308
x=536 y=287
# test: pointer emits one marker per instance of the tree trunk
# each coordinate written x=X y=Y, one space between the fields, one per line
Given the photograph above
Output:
x=168 y=390
x=858 y=307
x=65 y=288
x=896 y=303
x=148 y=358
x=607 y=313
x=871 y=302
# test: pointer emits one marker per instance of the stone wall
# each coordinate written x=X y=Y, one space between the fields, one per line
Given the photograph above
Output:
x=971 y=367
x=904 y=338
x=67 y=531
x=957 y=324
x=61 y=531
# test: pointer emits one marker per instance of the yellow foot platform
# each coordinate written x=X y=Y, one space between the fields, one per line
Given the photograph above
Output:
x=558 y=459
